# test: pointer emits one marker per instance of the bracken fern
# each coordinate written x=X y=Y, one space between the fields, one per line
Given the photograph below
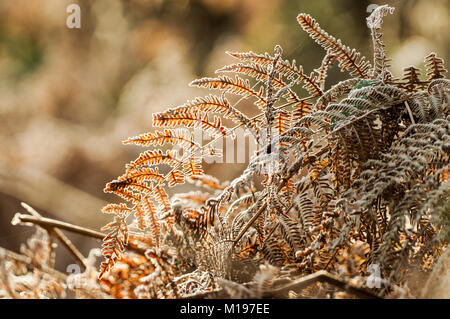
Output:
x=355 y=175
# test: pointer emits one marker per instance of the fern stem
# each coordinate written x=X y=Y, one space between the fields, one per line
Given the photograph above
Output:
x=323 y=276
x=48 y=222
x=410 y=113
x=60 y=235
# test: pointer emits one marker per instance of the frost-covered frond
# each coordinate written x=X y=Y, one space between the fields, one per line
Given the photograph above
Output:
x=349 y=59
x=380 y=60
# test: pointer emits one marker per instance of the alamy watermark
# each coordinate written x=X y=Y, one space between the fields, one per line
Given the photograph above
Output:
x=371 y=7
x=238 y=147
x=77 y=279
x=375 y=279
x=73 y=20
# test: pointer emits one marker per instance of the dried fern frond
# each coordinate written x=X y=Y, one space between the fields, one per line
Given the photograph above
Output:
x=380 y=61
x=122 y=189
x=435 y=67
x=349 y=59
x=120 y=209
x=158 y=138
x=210 y=104
x=287 y=69
x=412 y=77
x=114 y=242
x=237 y=86
x=148 y=212
x=190 y=120
x=255 y=71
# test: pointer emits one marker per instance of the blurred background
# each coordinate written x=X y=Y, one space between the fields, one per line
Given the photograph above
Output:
x=68 y=97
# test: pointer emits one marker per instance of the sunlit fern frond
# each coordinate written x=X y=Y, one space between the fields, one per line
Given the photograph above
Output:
x=349 y=59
